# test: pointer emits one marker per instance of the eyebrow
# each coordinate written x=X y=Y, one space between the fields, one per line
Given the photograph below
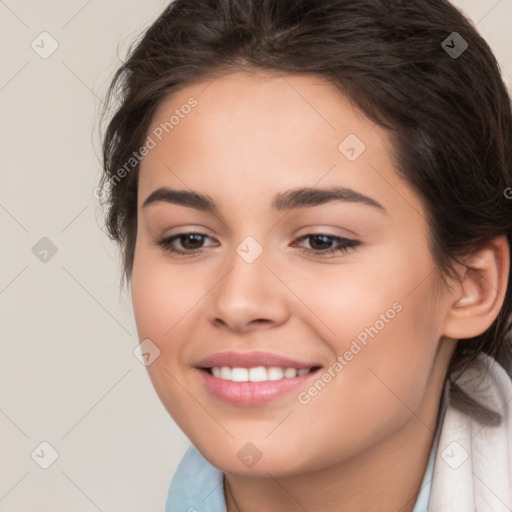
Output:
x=289 y=200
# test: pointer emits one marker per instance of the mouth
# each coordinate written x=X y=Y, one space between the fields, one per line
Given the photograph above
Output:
x=254 y=386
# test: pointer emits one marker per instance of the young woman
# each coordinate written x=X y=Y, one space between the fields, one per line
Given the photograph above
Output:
x=313 y=203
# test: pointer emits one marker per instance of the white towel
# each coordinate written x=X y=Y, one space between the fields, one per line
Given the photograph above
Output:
x=473 y=463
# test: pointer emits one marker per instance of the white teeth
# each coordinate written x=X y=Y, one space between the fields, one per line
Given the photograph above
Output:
x=275 y=373
x=257 y=374
x=290 y=373
x=239 y=374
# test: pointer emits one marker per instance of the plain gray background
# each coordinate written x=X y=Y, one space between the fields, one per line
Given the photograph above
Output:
x=68 y=375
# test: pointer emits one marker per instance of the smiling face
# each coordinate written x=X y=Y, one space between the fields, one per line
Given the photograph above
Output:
x=256 y=278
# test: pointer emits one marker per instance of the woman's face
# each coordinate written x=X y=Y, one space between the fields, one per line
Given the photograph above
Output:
x=258 y=277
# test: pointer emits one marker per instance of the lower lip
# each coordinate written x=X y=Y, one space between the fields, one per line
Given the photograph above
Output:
x=251 y=393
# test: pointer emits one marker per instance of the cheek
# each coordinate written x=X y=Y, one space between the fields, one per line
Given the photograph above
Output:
x=383 y=319
x=347 y=299
x=387 y=338
x=162 y=299
x=162 y=295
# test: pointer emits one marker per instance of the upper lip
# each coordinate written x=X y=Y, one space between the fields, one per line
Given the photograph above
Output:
x=251 y=360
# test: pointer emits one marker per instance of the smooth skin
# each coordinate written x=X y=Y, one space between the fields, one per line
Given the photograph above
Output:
x=363 y=442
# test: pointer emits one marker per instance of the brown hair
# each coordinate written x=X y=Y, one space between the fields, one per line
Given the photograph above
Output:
x=448 y=115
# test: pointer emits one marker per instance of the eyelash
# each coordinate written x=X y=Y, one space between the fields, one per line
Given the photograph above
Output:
x=344 y=244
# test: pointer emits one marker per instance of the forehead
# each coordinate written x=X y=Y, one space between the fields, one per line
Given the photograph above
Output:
x=254 y=133
x=257 y=105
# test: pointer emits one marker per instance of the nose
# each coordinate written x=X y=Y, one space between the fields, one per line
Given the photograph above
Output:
x=248 y=296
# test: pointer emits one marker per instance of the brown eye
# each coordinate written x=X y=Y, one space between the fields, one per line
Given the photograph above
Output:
x=189 y=242
x=323 y=243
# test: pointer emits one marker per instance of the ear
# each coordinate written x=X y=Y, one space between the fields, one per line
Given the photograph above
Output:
x=478 y=296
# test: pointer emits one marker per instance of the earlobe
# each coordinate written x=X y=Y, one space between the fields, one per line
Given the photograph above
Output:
x=479 y=294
